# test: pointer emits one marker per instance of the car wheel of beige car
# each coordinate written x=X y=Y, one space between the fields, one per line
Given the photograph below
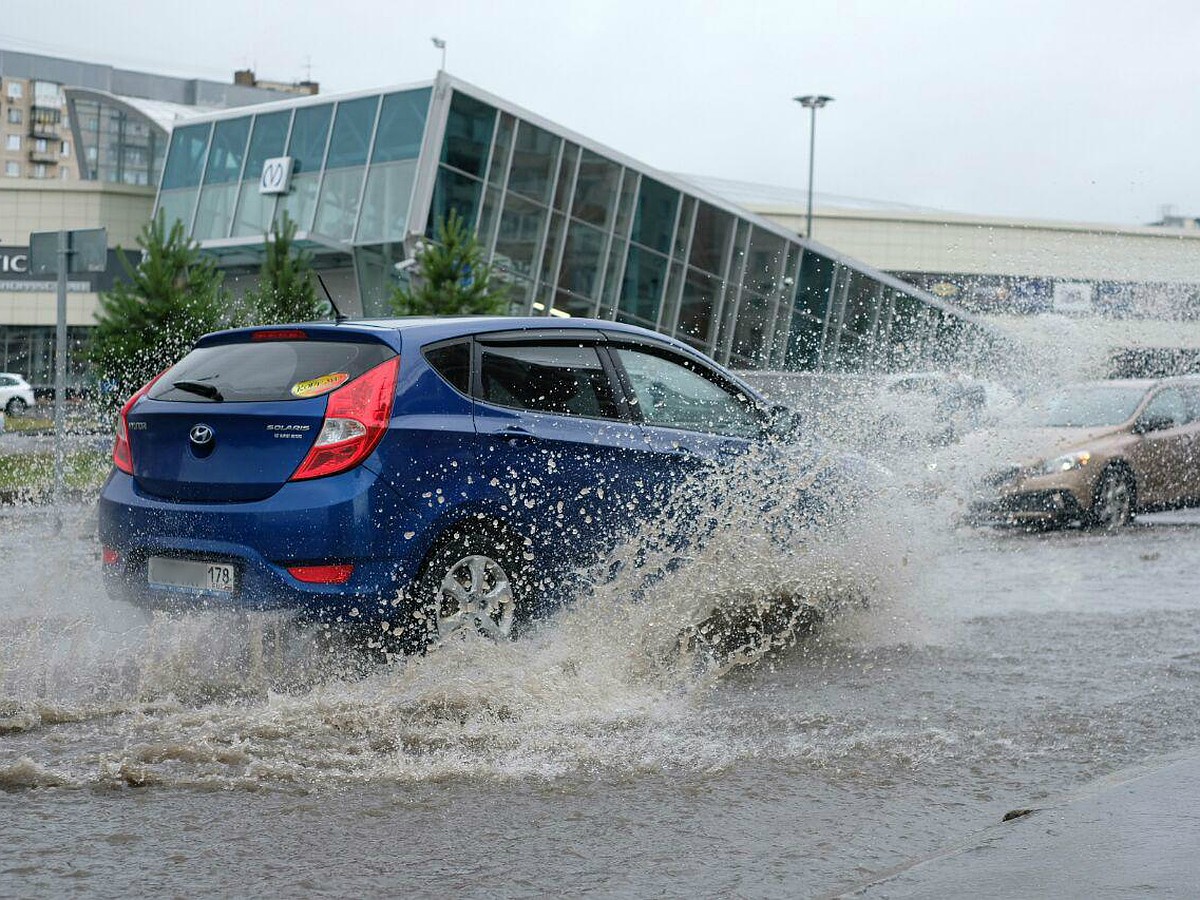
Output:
x=1112 y=506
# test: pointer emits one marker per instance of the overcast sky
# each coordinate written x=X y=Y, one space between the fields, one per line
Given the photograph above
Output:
x=1084 y=110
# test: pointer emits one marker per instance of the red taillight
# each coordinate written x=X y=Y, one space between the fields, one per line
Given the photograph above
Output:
x=122 y=454
x=280 y=334
x=109 y=556
x=356 y=417
x=338 y=573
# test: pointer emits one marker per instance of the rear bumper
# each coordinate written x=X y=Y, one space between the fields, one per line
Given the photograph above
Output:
x=351 y=518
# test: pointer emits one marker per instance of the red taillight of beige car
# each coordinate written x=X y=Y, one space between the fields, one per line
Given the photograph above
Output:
x=122 y=453
x=356 y=418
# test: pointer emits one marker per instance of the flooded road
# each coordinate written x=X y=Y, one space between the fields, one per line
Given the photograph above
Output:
x=240 y=755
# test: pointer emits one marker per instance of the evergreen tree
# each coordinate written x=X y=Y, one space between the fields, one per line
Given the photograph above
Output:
x=285 y=291
x=452 y=278
x=147 y=322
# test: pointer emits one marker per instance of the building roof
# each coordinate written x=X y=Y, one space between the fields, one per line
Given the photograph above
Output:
x=161 y=113
x=755 y=194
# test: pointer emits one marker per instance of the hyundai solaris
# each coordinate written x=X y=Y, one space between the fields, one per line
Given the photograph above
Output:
x=425 y=475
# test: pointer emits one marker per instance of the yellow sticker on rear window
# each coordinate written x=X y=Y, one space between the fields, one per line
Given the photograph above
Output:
x=314 y=387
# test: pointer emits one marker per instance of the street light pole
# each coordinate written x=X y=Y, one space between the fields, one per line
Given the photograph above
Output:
x=441 y=45
x=811 y=102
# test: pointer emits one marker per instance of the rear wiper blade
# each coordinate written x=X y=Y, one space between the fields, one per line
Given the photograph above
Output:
x=198 y=387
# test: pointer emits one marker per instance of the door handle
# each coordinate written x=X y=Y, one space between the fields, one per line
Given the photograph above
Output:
x=515 y=434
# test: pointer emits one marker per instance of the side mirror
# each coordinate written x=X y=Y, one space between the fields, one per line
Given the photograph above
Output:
x=1152 y=423
x=785 y=423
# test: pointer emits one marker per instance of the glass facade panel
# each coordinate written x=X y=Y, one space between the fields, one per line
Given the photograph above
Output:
x=654 y=216
x=566 y=177
x=611 y=290
x=386 y=202
x=535 y=156
x=701 y=293
x=815 y=284
x=670 y=305
x=228 y=150
x=768 y=253
x=683 y=233
x=582 y=257
x=861 y=300
x=266 y=141
x=300 y=202
x=114 y=146
x=254 y=211
x=629 y=188
x=554 y=237
x=306 y=146
x=520 y=235
x=595 y=190
x=185 y=158
x=469 y=128
x=401 y=126
x=454 y=190
x=376 y=273
x=337 y=210
x=574 y=306
x=502 y=151
x=520 y=291
x=853 y=355
x=489 y=218
x=804 y=343
x=710 y=240
x=351 y=135
x=177 y=206
x=750 y=333
x=642 y=288
x=215 y=212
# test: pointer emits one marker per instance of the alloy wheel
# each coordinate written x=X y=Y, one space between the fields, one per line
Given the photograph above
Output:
x=1114 y=502
x=476 y=593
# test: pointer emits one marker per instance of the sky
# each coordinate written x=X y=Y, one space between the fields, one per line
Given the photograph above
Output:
x=1077 y=110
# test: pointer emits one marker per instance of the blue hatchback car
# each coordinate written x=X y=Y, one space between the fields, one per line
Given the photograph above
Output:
x=423 y=474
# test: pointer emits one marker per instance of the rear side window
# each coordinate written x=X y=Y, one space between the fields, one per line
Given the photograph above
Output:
x=270 y=370
x=552 y=379
x=453 y=363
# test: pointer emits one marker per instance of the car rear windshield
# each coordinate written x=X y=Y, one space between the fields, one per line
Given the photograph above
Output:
x=268 y=370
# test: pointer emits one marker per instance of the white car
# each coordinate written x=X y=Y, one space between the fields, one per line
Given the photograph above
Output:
x=16 y=395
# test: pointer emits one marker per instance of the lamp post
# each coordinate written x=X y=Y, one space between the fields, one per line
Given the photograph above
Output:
x=441 y=45
x=811 y=102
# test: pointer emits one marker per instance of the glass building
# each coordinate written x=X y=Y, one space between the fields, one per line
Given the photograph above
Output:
x=575 y=228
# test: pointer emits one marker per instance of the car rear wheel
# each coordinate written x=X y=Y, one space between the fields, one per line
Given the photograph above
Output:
x=473 y=583
x=15 y=406
x=1112 y=505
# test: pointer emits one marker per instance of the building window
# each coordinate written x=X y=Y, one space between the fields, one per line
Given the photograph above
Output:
x=13 y=142
x=14 y=116
x=39 y=145
x=39 y=170
x=66 y=149
x=12 y=169
x=16 y=90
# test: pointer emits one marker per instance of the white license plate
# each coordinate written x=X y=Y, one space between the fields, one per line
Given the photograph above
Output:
x=199 y=575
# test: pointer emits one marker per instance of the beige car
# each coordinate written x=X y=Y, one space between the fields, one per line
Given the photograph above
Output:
x=1098 y=453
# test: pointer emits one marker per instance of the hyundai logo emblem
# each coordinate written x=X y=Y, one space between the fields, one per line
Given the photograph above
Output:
x=201 y=435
